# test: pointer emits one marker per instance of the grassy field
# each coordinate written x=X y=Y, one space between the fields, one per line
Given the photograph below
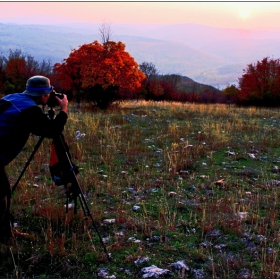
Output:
x=176 y=190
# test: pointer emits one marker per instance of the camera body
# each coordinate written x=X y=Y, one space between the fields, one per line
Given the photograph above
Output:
x=52 y=102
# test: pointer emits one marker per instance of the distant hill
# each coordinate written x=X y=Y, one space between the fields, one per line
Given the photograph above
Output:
x=47 y=42
x=208 y=55
x=190 y=86
x=42 y=43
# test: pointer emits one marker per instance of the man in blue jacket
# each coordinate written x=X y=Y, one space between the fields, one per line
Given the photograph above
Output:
x=20 y=116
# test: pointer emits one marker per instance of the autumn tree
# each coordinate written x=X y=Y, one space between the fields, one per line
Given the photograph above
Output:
x=151 y=87
x=17 y=68
x=170 y=83
x=164 y=87
x=260 y=83
x=15 y=71
x=97 y=71
x=231 y=94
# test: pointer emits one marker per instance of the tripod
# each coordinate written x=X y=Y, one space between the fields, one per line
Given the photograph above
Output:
x=68 y=176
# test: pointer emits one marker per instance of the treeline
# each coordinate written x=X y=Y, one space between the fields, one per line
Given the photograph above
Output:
x=174 y=87
x=17 y=67
x=259 y=84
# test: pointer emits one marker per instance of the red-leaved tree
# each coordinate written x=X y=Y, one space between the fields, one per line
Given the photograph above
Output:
x=97 y=72
x=260 y=83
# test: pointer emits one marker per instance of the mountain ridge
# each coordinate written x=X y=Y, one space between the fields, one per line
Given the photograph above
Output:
x=208 y=55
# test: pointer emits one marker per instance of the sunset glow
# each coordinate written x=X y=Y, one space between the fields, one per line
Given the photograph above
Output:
x=244 y=14
x=216 y=14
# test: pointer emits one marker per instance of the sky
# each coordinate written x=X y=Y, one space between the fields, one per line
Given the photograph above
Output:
x=245 y=15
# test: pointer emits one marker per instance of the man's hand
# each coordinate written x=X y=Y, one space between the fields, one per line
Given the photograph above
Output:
x=63 y=103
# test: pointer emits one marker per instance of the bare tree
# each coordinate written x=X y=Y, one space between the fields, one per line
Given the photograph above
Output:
x=149 y=69
x=45 y=67
x=31 y=66
x=105 y=33
x=151 y=83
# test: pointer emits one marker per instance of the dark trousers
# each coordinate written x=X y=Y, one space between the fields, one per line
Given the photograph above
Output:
x=5 y=203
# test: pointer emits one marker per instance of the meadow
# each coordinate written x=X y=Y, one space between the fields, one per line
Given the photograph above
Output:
x=176 y=191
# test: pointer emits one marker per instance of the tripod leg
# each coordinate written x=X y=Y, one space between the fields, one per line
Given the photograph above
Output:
x=75 y=205
x=28 y=162
x=64 y=158
x=67 y=202
x=87 y=213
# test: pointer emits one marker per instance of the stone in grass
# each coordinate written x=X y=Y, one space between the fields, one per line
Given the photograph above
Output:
x=127 y=271
x=106 y=239
x=104 y=273
x=245 y=273
x=136 y=208
x=109 y=221
x=251 y=155
x=206 y=244
x=220 y=246
x=119 y=234
x=242 y=215
x=180 y=267
x=273 y=183
x=69 y=205
x=79 y=135
x=192 y=188
x=275 y=169
x=141 y=260
x=134 y=240
x=172 y=194
x=199 y=274
x=216 y=233
x=220 y=183
x=155 y=272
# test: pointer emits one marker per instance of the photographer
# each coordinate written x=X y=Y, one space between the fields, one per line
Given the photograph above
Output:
x=20 y=116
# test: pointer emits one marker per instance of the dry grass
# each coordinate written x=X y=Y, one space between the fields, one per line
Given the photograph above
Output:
x=177 y=181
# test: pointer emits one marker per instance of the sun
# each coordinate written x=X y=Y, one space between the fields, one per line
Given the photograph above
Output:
x=244 y=14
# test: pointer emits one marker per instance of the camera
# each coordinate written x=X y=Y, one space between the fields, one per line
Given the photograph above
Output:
x=52 y=102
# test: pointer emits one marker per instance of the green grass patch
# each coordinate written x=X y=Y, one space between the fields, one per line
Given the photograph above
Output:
x=191 y=182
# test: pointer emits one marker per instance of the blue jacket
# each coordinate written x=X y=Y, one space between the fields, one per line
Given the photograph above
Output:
x=20 y=116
